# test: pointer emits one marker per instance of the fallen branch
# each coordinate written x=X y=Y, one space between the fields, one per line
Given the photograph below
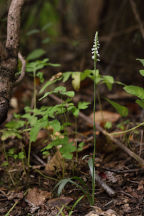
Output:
x=103 y=184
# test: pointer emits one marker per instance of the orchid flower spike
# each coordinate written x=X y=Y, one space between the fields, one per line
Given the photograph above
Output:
x=96 y=45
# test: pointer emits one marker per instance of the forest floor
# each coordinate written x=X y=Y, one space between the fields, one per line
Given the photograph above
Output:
x=31 y=191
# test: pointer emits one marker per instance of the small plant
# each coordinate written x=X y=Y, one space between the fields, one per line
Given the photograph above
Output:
x=82 y=186
x=45 y=117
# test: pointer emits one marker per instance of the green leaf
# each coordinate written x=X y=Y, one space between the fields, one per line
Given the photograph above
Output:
x=59 y=89
x=135 y=90
x=21 y=155
x=141 y=72
x=40 y=76
x=91 y=167
x=98 y=78
x=33 y=31
x=5 y=163
x=11 y=151
x=46 y=40
x=108 y=125
x=31 y=118
x=69 y=94
x=80 y=146
x=34 y=132
x=15 y=124
x=61 y=184
x=48 y=83
x=122 y=110
x=76 y=80
x=83 y=105
x=141 y=60
x=85 y=74
x=66 y=76
x=67 y=149
x=9 y=134
x=75 y=112
x=36 y=65
x=55 y=124
x=140 y=103
x=37 y=53
x=36 y=128
x=46 y=26
x=54 y=65
x=108 y=80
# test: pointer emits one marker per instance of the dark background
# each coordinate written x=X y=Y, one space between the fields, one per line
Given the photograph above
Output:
x=65 y=30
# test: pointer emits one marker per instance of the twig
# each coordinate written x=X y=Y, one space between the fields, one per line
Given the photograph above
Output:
x=23 y=61
x=109 y=190
x=39 y=159
x=127 y=194
x=114 y=140
x=137 y=17
x=124 y=171
x=141 y=145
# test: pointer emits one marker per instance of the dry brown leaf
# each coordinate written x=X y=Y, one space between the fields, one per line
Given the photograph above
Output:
x=99 y=212
x=60 y=201
x=105 y=116
x=37 y=197
x=56 y=163
x=141 y=185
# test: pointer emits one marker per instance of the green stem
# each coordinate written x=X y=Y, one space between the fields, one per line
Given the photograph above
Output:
x=129 y=130
x=29 y=153
x=94 y=131
x=8 y=213
x=35 y=92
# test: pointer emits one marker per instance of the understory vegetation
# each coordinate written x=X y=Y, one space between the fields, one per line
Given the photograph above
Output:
x=72 y=143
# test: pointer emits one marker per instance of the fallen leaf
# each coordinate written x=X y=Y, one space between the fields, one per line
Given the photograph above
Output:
x=105 y=116
x=60 y=201
x=37 y=197
x=99 y=212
